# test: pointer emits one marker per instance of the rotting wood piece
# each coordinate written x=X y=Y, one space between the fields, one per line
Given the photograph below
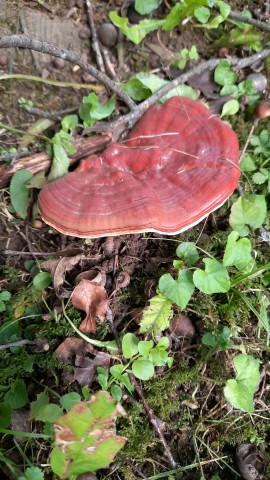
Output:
x=41 y=161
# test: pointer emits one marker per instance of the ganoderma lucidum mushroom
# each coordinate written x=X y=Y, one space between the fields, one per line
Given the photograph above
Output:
x=179 y=164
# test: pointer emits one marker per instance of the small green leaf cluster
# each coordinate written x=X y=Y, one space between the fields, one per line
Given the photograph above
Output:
x=5 y=296
x=61 y=146
x=226 y=77
x=220 y=339
x=92 y=110
x=23 y=102
x=242 y=34
x=41 y=409
x=142 y=85
x=200 y=9
x=248 y=212
x=185 y=55
x=143 y=356
x=32 y=473
x=256 y=163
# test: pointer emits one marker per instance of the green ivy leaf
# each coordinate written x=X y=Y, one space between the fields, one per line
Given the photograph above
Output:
x=163 y=343
x=143 y=85
x=116 y=370
x=202 y=14
x=4 y=297
x=224 y=8
x=69 y=122
x=248 y=211
x=17 y=396
x=67 y=401
x=178 y=291
x=219 y=339
x=237 y=252
x=259 y=177
x=189 y=252
x=44 y=411
x=224 y=75
x=173 y=18
x=92 y=110
x=32 y=473
x=61 y=147
x=239 y=392
x=19 y=193
x=143 y=7
x=247 y=164
x=214 y=279
x=136 y=33
x=158 y=357
x=130 y=345
x=143 y=369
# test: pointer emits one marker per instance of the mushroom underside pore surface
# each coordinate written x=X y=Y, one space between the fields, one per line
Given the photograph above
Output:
x=178 y=164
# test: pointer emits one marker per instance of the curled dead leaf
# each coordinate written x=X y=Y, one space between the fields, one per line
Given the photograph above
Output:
x=95 y=275
x=93 y=300
x=82 y=355
x=58 y=269
x=122 y=280
x=250 y=461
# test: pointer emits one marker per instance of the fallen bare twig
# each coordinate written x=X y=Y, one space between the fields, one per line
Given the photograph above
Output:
x=264 y=27
x=55 y=116
x=38 y=162
x=19 y=343
x=22 y=41
x=95 y=43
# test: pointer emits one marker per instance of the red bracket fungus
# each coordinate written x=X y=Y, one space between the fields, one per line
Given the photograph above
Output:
x=178 y=164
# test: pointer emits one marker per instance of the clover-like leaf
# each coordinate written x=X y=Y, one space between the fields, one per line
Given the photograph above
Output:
x=130 y=345
x=143 y=368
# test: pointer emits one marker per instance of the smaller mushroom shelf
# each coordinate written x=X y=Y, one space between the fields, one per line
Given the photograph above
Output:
x=178 y=164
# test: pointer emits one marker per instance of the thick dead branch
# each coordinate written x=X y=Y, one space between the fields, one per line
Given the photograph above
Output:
x=41 y=161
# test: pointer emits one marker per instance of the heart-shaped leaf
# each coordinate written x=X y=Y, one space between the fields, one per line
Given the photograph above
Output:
x=239 y=392
x=214 y=279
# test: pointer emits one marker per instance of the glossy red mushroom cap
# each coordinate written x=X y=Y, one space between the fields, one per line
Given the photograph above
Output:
x=179 y=164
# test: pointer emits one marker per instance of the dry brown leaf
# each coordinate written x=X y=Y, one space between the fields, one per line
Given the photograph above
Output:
x=58 y=269
x=250 y=461
x=95 y=275
x=205 y=83
x=70 y=348
x=93 y=299
x=74 y=351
